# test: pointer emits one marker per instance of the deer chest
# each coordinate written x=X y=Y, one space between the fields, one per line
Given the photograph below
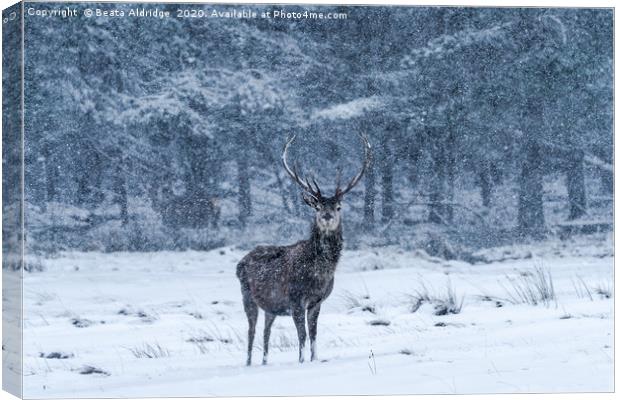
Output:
x=314 y=283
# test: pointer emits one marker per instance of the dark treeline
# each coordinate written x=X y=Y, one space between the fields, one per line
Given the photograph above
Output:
x=146 y=134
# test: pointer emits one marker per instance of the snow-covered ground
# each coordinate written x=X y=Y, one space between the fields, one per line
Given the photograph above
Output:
x=172 y=324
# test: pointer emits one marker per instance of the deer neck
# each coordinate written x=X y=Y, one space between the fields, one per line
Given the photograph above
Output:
x=327 y=245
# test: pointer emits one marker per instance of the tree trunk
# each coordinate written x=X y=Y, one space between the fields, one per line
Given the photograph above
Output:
x=120 y=189
x=369 y=197
x=387 y=175
x=413 y=154
x=607 y=177
x=89 y=181
x=607 y=182
x=485 y=185
x=531 y=217
x=450 y=156
x=266 y=151
x=244 y=196
x=50 y=175
x=437 y=208
x=488 y=177
x=575 y=183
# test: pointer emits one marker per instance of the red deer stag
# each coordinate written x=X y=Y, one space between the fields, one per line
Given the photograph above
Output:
x=290 y=280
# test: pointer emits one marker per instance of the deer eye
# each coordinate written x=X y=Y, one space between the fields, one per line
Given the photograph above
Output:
x=338 y=207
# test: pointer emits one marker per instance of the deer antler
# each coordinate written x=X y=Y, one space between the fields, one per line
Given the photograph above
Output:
x=356 y=178
x=307 y=186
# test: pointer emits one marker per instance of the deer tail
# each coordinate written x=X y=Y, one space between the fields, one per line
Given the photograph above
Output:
x=241 y=270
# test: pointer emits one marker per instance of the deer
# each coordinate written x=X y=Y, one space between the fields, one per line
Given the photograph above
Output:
x=295 y=280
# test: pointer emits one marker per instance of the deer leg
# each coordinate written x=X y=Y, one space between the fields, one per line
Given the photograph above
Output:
x=251 y=310
x=313 y=317
x=269 y=318
x=299 y=317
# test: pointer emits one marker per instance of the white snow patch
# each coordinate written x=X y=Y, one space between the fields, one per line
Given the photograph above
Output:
x=184 y=309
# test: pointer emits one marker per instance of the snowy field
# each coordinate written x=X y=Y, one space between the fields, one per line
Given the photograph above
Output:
x=172 y=324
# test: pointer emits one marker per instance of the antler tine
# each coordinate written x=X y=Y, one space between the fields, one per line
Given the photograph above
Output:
x=316 y=185
x=356 y=178
x=293 y=173
x=316 y=191
x=296 y=170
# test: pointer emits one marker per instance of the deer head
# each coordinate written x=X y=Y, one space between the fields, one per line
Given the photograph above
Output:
x=327 y=209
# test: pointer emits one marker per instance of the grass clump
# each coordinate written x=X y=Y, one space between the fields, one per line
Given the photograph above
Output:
x=444 y=303
x=531 y=287
x=358 y=302
x=147 y=350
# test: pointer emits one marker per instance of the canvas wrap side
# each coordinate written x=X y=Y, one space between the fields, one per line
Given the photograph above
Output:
x=12 y=199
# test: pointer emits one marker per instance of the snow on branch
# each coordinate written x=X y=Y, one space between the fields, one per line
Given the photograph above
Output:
x=588 y=158
x=351 y=109
x=447 y=44
x=593 y=160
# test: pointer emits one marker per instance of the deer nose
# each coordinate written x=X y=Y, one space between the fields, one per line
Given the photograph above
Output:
x=327 y=217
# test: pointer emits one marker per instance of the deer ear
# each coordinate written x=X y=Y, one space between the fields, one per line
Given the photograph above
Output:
x=310 y=200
